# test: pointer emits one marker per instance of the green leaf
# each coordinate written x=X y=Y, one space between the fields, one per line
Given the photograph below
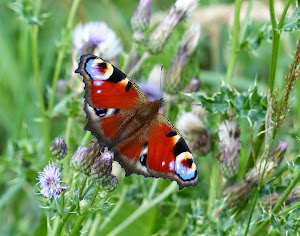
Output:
x=220 y=102
x=251 y=104
x=292 y=23
x=275 y=222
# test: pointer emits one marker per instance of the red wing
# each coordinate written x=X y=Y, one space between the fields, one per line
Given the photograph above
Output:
x=168 y=154
x=108 y=87
x=158 y=150
x=106 y=124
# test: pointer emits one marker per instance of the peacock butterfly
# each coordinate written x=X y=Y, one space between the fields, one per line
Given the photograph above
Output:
x=120 y=116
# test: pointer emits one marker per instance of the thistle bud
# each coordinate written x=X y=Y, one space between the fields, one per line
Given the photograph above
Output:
x=239 y=191
x=270 y=200
x=160 y=35
x=277 y=152
x=77 y=158
x=141 y=17
x=84 y=205
x=94 y=151
x=194 y=132
x=229 y=135
x=102 y=167
x=173 y=79
x=192 y=86
x=138 y=36
x=111 y=183
x=58 y=148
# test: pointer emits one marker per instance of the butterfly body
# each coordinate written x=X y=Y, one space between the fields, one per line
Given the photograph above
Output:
x=120 y=116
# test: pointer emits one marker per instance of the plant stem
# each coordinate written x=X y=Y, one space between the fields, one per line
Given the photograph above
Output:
x=62 y=51
x=72 y=208
x=82 y=217
x=153 y=188
x=39 y=88
x=282 y=18
x=114 y=211
x=235 y=42
x=67 y=137
x=129 y=57
x=86 y=136
x=213 y=185
x=63 y=220
x=143 y=208
x=280 y=202
x=82 y=185
x=138 y=64
x=298 y=114
x=257 y=145
x=247 y=17
x=275 y=45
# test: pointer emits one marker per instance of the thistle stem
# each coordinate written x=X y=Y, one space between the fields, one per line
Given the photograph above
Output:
x=275 y=40
x=153 y=188
x=143 y=209
x=260 y=184
x=138 y=64
x=86 y=136
x=114 y=211
x=235 y=42
x=62 y=51
x=82 y=217
x=213 y=185
x=39 y=88
x=129 y=57
x=279 y=203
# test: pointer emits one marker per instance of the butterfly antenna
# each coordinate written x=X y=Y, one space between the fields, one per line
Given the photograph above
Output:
x=161 y=71
x=194 y=104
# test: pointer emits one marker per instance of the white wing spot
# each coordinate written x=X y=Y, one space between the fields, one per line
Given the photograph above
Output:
x=163 y=163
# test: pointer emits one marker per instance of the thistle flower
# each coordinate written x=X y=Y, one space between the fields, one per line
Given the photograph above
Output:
x=173 y=79
x=194 y=132
x=102 y=167
x=160 y=35
x=236 y=193
x=77 y=158
x=141 y=17
x=49 y=181
x=111 y=183
x=58 y=148
x=229 y=135
x=96 y=38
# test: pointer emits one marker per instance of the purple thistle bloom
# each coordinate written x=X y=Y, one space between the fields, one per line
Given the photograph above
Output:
x=96 y=38
x=49 y=181
x=102 y=167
